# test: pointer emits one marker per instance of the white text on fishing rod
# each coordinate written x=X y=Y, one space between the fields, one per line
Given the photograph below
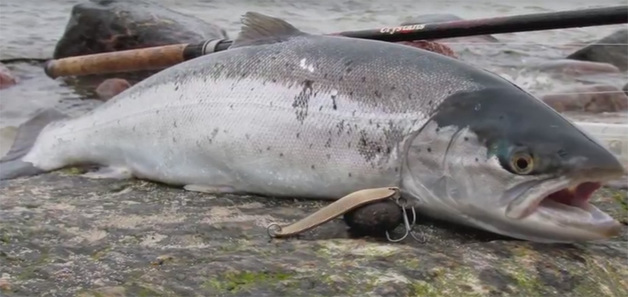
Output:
x=401 y=29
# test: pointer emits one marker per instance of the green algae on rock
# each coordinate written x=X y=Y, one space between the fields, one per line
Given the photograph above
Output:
x=64 y=235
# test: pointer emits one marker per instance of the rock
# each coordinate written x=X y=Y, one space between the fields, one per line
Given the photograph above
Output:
x=575 y=67
x=445 y=17
x=113 y=25
x=111 y=87
x=431 y=46
x=593 y=99
x=612 y=49
x=7 y=79
x=63 y=235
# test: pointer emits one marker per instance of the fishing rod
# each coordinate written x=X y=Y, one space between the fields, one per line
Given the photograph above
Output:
x=159 y=57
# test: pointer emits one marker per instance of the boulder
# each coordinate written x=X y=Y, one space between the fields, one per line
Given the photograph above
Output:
x=111 y=87
x=7 y=78
x=592 y=99
x=113 y=25
x=64 y=235
x=612 y=49
x=445 y=17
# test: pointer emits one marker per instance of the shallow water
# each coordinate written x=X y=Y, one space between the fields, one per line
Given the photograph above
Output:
x=30 y=28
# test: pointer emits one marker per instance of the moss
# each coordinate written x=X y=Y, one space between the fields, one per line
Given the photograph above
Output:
x=423 y=289
x=232 y=281
x=527 y=284
x=100 y=253
x=72 y=171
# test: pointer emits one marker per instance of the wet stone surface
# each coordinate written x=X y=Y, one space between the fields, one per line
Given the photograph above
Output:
x=64 y=235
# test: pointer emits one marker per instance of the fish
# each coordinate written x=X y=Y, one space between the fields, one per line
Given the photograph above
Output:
x=285 y=113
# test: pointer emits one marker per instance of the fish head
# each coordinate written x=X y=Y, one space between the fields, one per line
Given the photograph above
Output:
x=502 y=160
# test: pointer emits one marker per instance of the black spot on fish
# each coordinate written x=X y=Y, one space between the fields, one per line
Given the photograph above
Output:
x=430 y=102
x=133 y=129
x=466 y=138
x=351 y=93
x=349 y=174
x=174 y=123
x=378 y=94
x=363 y=78
x=396 y=169
x=157 y=111
x=312 y=166
x=477 y=160
x=320 y=108
x=429 y=149
x=176 y=87
x=247 y=136
x=328 y=156
x=328 y=142
x=349 y=144
x=348 y=70
x=333 y=102
x=174 y=139
x=298 y=134
x=273 y=58
x=301 y=101
x=324 y=75
x=340 y=79
x=393 y=88
x=274 y=80
x=268 y=148
x=437 y=129
x=280 y=154
x=340 y=126
x=311 y=145
x=388 y=150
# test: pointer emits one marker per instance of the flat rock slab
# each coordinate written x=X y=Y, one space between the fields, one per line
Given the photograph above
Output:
x=64 y=235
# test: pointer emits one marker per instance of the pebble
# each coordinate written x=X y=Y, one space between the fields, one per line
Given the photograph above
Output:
x=111 y=87
x=7 y=78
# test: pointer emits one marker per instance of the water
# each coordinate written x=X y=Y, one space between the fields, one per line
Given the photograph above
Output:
x=30 y=28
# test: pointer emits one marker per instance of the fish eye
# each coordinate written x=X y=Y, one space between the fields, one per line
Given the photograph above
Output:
x=522 y=163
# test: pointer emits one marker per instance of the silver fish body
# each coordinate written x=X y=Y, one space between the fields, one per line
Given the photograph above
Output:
x=285 y=113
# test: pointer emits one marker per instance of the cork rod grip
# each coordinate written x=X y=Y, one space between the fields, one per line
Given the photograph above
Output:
x=123 y=61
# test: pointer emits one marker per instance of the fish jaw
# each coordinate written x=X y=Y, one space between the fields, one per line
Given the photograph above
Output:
x=458 y=167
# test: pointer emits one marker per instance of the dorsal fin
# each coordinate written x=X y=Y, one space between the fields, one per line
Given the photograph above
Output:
x=262 y=29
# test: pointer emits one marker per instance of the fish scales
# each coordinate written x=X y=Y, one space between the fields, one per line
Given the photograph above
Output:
x=317 y=116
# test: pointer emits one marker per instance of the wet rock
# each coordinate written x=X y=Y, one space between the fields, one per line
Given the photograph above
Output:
x=445 y=17
x=612 y=49
x=63 y=235
x=436 y=47
x=112 y=25
x=592 y=99
x=7 y=79
x=111 y=87
x=575 y=67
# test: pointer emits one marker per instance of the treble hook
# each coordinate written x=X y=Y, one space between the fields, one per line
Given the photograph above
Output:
x=408 y=226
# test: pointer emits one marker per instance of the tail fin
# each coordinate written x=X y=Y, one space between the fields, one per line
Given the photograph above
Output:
x=11 y=165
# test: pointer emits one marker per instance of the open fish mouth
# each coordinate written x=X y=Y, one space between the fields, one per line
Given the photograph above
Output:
x=566 y=203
